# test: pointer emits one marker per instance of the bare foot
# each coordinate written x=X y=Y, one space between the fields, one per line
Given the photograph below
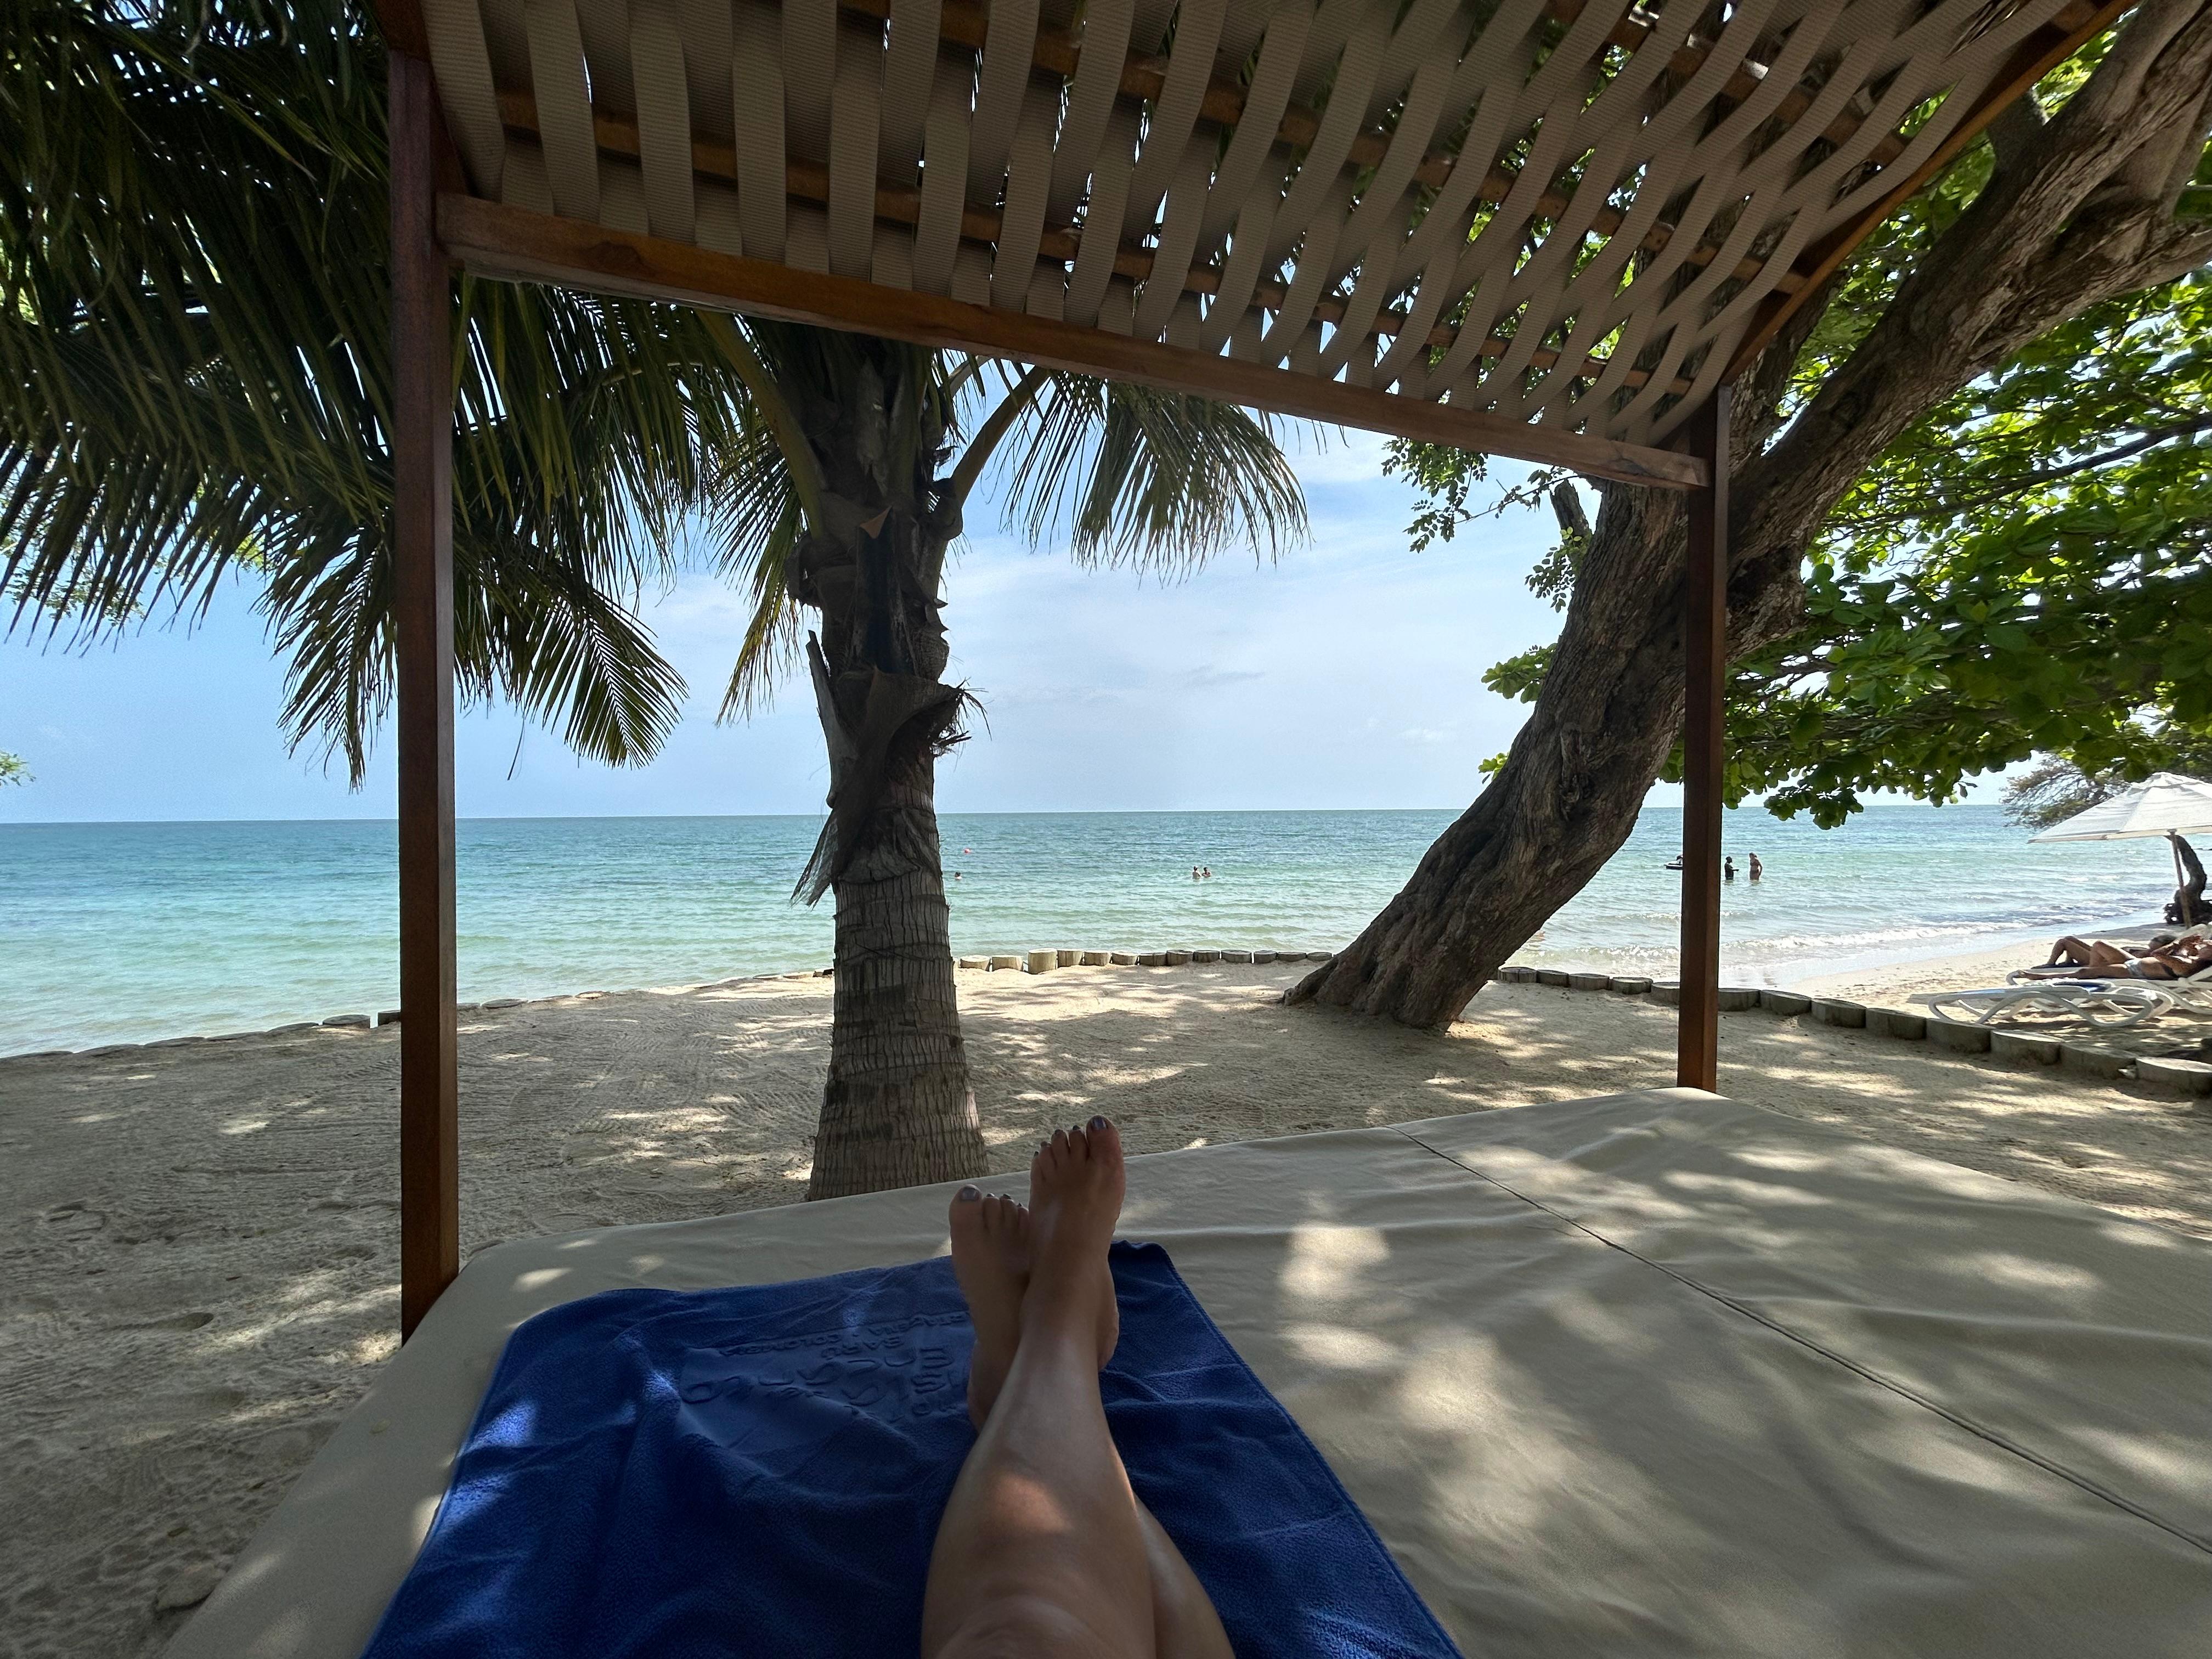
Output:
x=991 y=1259
x=1076 y=1183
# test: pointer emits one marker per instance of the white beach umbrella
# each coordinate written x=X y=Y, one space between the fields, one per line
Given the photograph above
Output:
x=2164 y=804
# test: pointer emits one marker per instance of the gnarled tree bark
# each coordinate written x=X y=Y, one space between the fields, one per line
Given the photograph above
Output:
x=2081 y=207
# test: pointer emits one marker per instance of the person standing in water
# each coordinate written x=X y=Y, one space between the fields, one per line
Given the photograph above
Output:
x=1727 y=869
x=1754 y=867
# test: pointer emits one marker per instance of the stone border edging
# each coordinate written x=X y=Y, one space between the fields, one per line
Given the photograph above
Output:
x=1045 y=961
x=2088 y=1057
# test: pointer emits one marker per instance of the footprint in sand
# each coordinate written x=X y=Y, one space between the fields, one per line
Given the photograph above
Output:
x=188 y=1588
x=191 y=1320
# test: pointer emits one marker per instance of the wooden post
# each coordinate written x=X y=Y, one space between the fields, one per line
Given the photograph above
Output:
x=423 y=613
x=1705 y=666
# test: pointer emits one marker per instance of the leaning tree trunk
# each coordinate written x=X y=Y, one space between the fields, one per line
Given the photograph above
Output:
x=2081 y=208
x=896 y=1110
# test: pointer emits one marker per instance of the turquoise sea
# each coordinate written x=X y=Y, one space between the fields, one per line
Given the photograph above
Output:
x=116 y=933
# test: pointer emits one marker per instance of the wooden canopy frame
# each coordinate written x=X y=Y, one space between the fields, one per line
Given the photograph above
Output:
x=1555 y=230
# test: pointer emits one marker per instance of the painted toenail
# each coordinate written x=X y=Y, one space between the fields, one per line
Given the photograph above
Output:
x=1098 y=1123
x=967 y=1195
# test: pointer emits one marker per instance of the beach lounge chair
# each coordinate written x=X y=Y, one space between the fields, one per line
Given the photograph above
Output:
x=2109 y=1005
x=2112 y=1003
x=1654 y=1372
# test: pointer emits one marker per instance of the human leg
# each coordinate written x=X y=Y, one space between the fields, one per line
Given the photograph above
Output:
x=1184 y=1623
x=2073 y=952
x=991 y=1244
x=1041 y=1549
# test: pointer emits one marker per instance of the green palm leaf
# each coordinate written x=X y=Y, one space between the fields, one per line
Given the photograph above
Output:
x=195 y=378
x=195 y=382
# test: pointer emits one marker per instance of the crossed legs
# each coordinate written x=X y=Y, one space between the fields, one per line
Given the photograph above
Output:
x=1044 y=1549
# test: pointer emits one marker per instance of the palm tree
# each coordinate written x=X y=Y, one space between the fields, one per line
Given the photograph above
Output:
x=845 y=502
x=194 y=371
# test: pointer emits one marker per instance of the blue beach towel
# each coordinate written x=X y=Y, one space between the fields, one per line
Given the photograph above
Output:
x=759 y=1470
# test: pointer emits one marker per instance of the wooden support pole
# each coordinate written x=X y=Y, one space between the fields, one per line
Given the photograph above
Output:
x=1704 y=667
x=423 y=613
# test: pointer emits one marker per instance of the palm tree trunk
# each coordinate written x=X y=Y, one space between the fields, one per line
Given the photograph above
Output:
x=897 y=1110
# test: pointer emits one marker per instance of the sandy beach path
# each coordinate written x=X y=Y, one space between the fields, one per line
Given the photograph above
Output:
x=201 y=1251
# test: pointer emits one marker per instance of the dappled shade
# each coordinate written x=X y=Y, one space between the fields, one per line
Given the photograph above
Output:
x=1655 y=1373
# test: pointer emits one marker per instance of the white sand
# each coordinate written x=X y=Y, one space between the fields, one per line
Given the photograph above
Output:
x=201 y=1261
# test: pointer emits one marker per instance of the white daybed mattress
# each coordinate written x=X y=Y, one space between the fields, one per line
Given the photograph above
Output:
x=1657 y=1373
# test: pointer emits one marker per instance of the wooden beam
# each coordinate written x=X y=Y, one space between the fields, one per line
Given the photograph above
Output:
x=497 y=241
x=1143 y=77
x=423 y=618
x=617 y=134
x=1705 y=669
x=2033 y=59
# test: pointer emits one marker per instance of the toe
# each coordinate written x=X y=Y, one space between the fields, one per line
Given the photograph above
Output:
x=1052 y=1158
x=1103 y=1138
x=965 y=1219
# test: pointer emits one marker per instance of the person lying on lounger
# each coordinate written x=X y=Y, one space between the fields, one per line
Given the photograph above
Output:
x=2071 y=953
x=2177 y=959
x=2165 y=956
x=1043 y=1548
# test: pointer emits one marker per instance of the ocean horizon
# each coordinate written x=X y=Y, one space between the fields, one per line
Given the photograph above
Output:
x=125 y=932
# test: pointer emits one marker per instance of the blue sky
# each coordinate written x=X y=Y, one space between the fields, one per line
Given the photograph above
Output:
x=1346 y=675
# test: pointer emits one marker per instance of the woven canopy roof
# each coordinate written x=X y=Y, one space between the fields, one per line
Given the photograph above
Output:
x=1543 y=227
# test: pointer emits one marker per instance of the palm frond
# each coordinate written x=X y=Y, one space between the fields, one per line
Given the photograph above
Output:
x=1153 y=479
x=195 y=378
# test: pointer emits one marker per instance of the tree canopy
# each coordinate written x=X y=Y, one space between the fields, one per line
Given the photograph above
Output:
x=195 y=374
